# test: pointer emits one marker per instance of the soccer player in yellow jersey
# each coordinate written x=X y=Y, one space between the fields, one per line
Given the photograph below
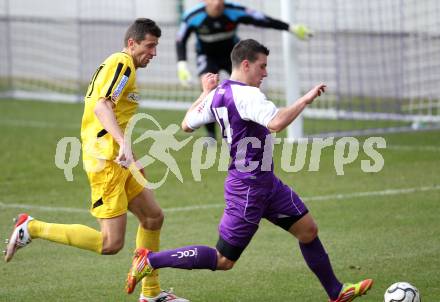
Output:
x=110 y=101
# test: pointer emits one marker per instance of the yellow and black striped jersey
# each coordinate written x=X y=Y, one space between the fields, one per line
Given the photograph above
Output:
x=115 y=80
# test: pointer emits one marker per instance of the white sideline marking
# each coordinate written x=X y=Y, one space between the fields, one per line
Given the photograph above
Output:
x=41 y=208
x=211 y=206
x=413 y=148
x=373 y=193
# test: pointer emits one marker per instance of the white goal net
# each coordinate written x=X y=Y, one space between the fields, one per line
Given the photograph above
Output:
x=379 y=58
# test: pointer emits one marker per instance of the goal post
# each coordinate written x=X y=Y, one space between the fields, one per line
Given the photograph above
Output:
x=291 y=78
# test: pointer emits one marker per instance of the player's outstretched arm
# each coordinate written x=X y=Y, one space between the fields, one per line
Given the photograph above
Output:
x=209 y=83
x=183 y=73
x=301 y=31
x=250 y=16
x=287 y=115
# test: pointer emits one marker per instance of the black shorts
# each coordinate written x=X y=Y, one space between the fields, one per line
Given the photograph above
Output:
x=212 y=64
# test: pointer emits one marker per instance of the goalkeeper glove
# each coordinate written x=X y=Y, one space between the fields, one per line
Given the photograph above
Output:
x=183 y=73
x=301 y=31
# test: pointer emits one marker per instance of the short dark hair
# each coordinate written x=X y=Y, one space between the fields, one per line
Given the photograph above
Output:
x=247 y=50
x=139 y=28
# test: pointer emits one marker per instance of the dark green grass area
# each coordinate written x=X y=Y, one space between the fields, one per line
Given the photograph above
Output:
x=381 y=225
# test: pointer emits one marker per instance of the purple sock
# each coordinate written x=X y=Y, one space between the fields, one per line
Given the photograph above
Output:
x=318 y=261
x=189 y=257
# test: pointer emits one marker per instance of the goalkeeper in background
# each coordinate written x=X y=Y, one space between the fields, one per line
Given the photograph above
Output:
x=110 y=102
x=215 y=24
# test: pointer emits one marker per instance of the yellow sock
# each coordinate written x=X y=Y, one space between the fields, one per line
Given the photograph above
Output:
x=76 y=235
x=150 y=240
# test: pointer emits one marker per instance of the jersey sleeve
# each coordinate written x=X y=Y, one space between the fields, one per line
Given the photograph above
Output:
x=202 y=114
x=113 y=78
x=181 y=39
x=252 y=105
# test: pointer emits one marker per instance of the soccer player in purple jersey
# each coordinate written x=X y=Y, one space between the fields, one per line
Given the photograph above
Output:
x=252 y=191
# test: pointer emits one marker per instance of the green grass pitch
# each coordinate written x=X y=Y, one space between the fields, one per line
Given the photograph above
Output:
x=382 y=225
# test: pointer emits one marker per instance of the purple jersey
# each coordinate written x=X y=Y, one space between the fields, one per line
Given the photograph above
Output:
x=243 y=113
x=252 y=191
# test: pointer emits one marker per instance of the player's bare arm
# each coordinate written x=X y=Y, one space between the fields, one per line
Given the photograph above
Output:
x=105 y=114
x=287 y=115
x=209 y=83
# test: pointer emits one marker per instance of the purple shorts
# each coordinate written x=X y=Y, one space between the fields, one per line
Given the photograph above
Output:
x=247 y=202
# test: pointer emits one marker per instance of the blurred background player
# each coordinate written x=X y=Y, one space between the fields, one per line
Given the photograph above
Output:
x=111 y=100
x=215 y=24
x=252 y=191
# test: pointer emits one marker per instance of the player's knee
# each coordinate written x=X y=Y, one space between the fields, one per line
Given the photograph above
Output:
x=160 y=218
x=224 y=263
x=153 y=223
x=112 y=250
x=309 y=233
x=112 y=247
